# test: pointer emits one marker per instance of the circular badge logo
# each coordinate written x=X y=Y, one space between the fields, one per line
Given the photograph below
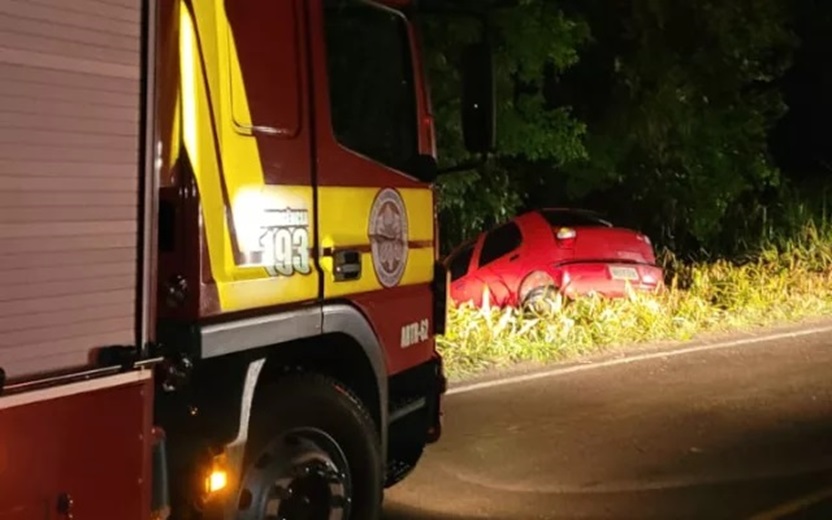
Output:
x=388 y=237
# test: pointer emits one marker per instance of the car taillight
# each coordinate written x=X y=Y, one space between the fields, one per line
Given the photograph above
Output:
x=566 y=233
x=566 y=237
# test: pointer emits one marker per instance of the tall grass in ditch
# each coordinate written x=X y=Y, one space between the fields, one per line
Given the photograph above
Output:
x=783 y=281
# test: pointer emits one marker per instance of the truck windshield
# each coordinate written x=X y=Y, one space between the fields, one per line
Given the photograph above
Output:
x=371 y=82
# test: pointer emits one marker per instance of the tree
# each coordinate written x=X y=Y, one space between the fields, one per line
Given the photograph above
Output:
x=654 y=111
x=690 y=100
x=529 y=40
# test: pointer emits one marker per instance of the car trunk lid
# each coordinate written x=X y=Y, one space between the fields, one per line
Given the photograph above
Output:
x=605 y=244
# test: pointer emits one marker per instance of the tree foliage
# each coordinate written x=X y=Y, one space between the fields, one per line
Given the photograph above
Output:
x=692 y=99
x=655 y=111
x=529 y=40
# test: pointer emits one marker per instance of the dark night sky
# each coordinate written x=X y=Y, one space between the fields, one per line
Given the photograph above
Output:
x=802 y=141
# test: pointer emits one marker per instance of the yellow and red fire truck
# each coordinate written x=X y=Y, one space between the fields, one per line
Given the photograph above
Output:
x=219 y=286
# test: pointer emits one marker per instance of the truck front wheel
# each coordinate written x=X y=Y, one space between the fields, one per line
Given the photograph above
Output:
x=313 y=454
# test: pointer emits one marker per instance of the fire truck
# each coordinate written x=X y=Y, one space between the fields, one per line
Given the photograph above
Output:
x=219 y=275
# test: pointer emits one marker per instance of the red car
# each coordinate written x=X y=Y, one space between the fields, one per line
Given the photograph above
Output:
x=567 y=250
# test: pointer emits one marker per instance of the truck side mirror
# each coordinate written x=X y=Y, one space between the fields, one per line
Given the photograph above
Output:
x=478 y=98
x=424 y=167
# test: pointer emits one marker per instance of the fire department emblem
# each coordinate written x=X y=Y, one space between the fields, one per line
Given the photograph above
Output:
x=388 y=237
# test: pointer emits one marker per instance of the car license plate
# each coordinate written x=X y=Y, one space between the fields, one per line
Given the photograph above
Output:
x=623 y=273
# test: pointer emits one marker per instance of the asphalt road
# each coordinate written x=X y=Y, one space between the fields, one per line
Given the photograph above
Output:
x=733 y=431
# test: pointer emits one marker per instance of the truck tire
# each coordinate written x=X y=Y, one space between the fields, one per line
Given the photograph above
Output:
x=313 y=453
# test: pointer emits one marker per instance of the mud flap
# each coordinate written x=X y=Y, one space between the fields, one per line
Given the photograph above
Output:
x=436 y=413
x=160 y=497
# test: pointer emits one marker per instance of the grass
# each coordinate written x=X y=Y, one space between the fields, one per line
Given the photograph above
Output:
x=785 y=281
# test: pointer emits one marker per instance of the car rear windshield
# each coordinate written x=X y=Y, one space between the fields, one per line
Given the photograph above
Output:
x=460 y=262
x=558 y=219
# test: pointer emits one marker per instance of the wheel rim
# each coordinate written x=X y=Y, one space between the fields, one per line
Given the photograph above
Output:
x=301 y=475
x=538 y=297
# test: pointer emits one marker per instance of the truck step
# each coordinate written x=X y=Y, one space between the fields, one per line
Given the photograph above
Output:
x=405 y=407
x=397 y=470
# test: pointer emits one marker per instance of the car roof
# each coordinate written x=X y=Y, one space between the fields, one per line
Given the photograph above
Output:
x=595 y=215
x=576 y=211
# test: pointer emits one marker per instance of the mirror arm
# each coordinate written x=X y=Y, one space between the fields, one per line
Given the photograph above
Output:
x=420 y=10
x=470 y=165
x=460 y=9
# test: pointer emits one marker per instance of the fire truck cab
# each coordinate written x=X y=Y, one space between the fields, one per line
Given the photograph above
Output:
x=219 y=275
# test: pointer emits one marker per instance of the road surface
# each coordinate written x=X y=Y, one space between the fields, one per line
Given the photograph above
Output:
x=735 y=429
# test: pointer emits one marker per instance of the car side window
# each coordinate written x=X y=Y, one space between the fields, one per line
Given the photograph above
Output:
x=371 y=83
x=460 y=263
x=500 y=242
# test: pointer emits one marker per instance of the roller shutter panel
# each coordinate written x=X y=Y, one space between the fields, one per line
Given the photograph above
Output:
x=69 y=175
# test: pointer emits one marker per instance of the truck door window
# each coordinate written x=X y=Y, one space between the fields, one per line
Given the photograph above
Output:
x=371 y=84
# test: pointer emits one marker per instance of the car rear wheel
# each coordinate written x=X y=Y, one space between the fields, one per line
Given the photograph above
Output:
x=313 y=454
x=539 y=299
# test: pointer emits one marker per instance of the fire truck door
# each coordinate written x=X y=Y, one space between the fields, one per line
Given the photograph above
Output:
x=375 y=215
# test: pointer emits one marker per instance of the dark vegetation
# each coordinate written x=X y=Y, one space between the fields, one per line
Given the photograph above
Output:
x=704 y=123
